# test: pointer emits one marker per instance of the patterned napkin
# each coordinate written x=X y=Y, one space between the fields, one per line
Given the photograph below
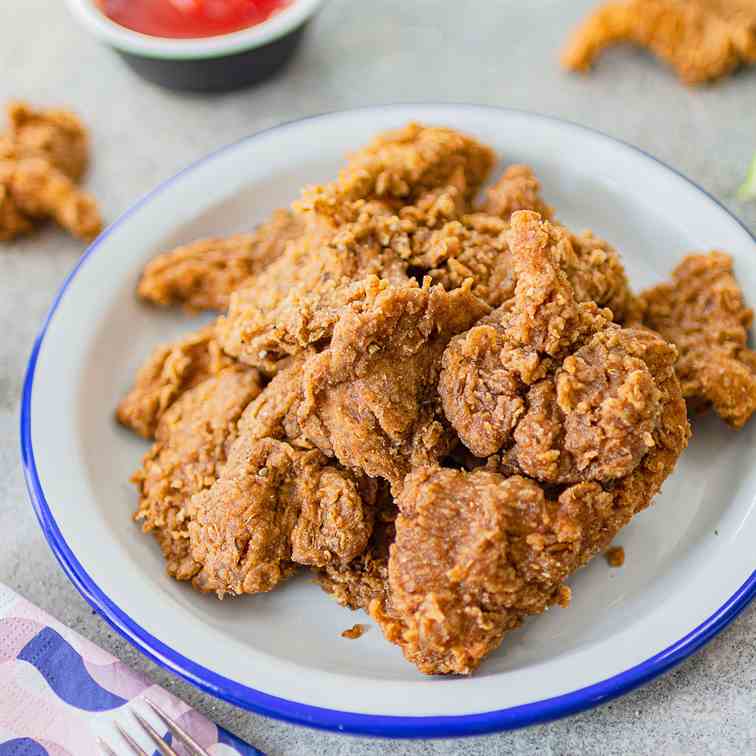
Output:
x=59 y=693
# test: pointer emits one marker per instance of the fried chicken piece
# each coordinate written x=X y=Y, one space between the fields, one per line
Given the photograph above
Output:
x=12 y=221
x=171 y=369
x=295 y=303
x=56 y=135
x=476 y=552
x=473 y=247
x=268 y=321
x=202 y=275
x=476 y=246
x=596 y=418
x=192 y=442
x=38 y=190
x=357 y=583
x=597 y=275
x=274 y=413
x=563 y=393
x=399 y=167
x=42 y=157
x=370 y=398
x=703 y=313
x=702 y=40
x=272 y=507
x=517 y=189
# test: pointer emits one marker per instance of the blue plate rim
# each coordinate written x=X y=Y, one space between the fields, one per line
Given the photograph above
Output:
x=330 y=719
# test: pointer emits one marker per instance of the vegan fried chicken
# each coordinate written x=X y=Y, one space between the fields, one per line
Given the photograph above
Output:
x=43 y=156
x=702 y=312
x=274 y=506
x=440 y=406
x=171 y=369
x=192 y=442
x=370 y=398
x=475 y=552
x=203 y=275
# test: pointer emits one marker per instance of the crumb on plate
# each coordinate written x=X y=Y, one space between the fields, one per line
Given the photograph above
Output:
x=615 y=556
x=354 y=632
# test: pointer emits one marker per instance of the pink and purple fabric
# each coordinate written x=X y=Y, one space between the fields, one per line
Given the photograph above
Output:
x=59 y=693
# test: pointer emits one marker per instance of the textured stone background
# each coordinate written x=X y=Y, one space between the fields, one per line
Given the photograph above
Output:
x=358 y=53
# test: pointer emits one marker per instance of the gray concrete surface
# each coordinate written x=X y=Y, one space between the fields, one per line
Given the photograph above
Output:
x=501 y=53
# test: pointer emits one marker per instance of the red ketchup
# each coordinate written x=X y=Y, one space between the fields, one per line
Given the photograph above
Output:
x=179 y=19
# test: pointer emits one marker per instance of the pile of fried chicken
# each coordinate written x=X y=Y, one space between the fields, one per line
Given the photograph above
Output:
x=443 y=406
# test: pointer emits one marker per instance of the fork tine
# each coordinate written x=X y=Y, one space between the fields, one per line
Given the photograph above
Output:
x=162 y=746
x=105 y=748
x=134 y=745
x=191 y=745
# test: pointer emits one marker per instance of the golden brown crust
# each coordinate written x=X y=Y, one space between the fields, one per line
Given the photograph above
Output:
x=203 y=275
x=13 y=222
x=702 y=40
x=517 y=189
x=171 y=369
x=192 y=442
x=615 y=556
x=274 y=414
x=702 y=312
x=400 y=167
x=370 y=398
x=43 y=156
x=295 y=302
x=354 y=632
x=357 y=583
x=475 y=552
x=564 y=394
x=55 y=134
x=40 y=191
x=272 y=507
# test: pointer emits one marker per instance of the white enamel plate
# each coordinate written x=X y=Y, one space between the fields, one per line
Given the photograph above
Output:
x=690 y=558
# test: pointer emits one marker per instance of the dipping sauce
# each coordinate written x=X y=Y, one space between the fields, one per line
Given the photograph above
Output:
x=181 y=19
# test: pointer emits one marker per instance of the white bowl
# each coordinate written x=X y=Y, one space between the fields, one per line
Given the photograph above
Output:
x=690 y=558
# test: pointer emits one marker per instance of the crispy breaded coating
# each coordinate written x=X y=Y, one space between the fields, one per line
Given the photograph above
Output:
x=54 y=134
x=517 y=189
x=702 y=40
x=12 y=221
x=564 y=394
x=370 y=398
x=192 y=442
x=472 y=246
x=39 y=191
x=476 y=552
x=202 y=275
x=702 y=311
x=357 y=583
x=171 y=369
x=274 y=413
x=272 y=507
x=476 y=246
x=295 y=302
x=43 y=156
x=399 y=167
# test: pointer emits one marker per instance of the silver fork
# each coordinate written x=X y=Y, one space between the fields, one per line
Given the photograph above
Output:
x=191 y=746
